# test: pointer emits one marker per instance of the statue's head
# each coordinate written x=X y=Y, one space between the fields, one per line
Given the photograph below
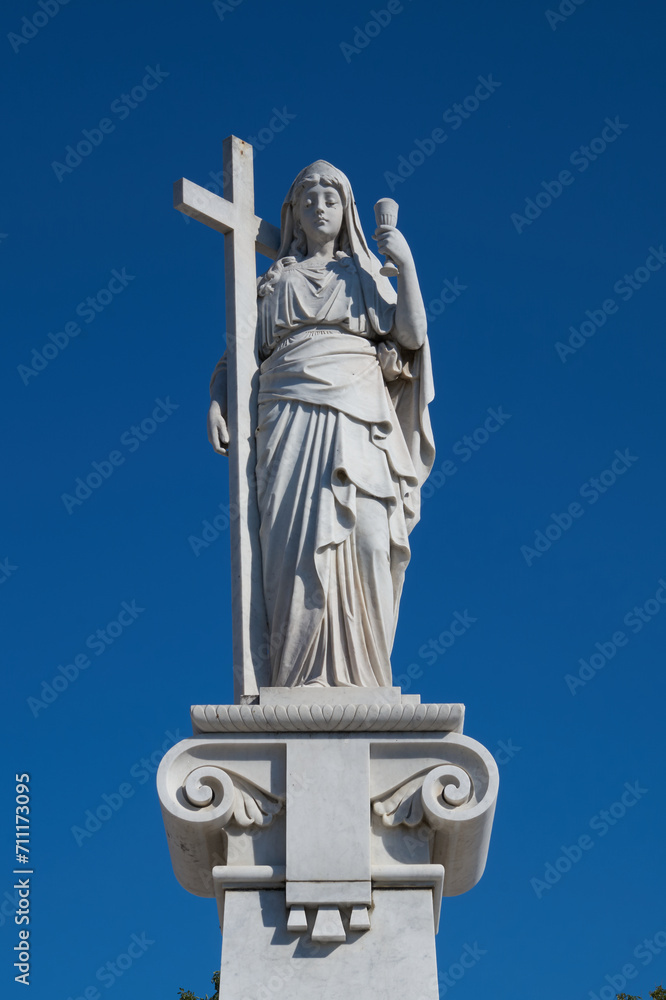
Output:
x=321 y=200
x=317 y=205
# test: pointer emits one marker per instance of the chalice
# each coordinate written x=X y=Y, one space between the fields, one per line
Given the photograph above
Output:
x=386 y=214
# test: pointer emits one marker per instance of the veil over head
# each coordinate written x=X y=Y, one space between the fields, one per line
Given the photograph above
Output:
x=374 y=285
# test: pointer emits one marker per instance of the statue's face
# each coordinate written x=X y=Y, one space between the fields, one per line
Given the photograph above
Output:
x=321 y=213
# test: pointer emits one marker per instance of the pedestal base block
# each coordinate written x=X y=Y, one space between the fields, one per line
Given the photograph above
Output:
x=262 y=957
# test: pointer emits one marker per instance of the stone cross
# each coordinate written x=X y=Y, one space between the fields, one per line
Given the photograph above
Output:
x=245 y=235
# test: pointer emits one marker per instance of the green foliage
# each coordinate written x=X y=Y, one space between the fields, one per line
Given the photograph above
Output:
x=658 y=994
x=188 y=995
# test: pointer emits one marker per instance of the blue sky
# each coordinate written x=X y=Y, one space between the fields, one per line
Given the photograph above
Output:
x=536 y=216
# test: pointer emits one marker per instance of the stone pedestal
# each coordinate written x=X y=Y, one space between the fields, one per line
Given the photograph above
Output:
x=329 y=824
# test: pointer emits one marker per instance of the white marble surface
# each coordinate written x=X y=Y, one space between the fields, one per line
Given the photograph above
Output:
x=329 y=716
x=328 y=820
x=315 y=695
x=394 y=960
x=330 y=892
x=328 y=927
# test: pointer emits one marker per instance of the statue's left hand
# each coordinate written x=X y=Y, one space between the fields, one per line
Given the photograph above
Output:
x=393 y=244
x=218 y=432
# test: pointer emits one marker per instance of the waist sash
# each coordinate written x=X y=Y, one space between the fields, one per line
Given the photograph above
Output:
x=327 y=367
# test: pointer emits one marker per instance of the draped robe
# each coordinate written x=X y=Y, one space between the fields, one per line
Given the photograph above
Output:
x=343 y=447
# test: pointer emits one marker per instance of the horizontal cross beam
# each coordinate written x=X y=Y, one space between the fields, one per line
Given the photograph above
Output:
x=220 y=214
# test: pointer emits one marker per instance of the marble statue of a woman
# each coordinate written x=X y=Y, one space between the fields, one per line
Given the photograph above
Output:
x=343 y=437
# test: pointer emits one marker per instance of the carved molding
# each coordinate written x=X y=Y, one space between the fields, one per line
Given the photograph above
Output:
x=200 y=802
x=216 y=788
x=327 y=718
x=429 y=795
x=456 y=800
x=230 y=797
x=446 y=789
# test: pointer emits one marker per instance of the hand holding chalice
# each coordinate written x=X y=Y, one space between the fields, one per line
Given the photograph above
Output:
x=386 y=214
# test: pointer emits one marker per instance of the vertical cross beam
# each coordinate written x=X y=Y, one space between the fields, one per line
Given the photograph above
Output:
x=244 y=235
x=240 y=281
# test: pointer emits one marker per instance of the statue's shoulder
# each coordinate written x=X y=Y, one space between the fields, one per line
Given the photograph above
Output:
x=277 y=268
